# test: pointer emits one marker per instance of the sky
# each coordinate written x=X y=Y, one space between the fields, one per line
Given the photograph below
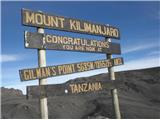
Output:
x=138 y=23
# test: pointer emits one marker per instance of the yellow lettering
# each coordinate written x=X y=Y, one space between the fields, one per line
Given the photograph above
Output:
x=72 y=88
x=54 y=21
x=48 y=39
x=95 y=85
x=90 y=87
x=48 y=72
x=100 y=86
x=87 y=66
x=99 y=29
x=30 y=17
x=108 y=31
x=60 y=69
x=72 y=25
x=117 y=61
x=80 y=88
x=54 y=39
x=26 y=74
x=107 y=44
x=78 y=25
x=61 y=22
x=76 y=89
x=90 y=49
x=116 y=33
x=46 y=20
x=43 y=72
x=39 y=19
x=68 y=69
x=38 y=72
x=32 y=74
x=104 y=31
x=87 y=27
x=65 y=69
x=53 y=72
x=94 y=29
x=84 y=87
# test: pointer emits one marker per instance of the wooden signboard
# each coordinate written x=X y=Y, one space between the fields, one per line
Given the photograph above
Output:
x=56 y=42
x=43 y=20
x=51 y=71
x=74 y=87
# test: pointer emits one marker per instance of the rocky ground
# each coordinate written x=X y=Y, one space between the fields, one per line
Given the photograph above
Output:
x=139 y=98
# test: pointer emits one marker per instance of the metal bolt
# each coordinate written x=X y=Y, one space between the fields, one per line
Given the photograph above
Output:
x=66 y=91
x=26 y=44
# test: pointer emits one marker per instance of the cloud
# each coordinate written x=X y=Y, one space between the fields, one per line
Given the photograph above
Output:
x=10 y=58
x=139 y=47
x=154 y=53
x=146 y=62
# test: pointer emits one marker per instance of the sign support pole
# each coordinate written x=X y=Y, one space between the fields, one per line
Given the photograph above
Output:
x=113 y=91
x=42 y=63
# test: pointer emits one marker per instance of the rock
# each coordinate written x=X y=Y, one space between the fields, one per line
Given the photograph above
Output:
x=10 y=92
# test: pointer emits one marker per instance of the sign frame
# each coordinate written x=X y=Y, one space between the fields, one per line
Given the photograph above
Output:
x=72 y=87
x=48 y=42
x=82 y=26
x=65 y=69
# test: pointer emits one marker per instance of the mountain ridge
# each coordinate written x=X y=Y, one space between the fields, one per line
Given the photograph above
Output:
x=139 y=98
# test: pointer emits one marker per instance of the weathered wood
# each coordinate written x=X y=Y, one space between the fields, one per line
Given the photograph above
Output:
x=72 y=88
x=56 y=42
x=42 y=63
x=114 y=91
x=43 y=20
x=51 y=71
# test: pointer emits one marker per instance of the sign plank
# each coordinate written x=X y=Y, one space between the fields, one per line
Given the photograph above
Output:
x=56 y=42
x=72 y=88
x=51 y=71
x=43 y=20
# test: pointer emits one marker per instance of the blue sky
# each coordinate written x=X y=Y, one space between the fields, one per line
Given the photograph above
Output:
x=138 y=23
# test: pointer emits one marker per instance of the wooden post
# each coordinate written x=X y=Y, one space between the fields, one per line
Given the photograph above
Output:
x=42 y=63
x=113 y=91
